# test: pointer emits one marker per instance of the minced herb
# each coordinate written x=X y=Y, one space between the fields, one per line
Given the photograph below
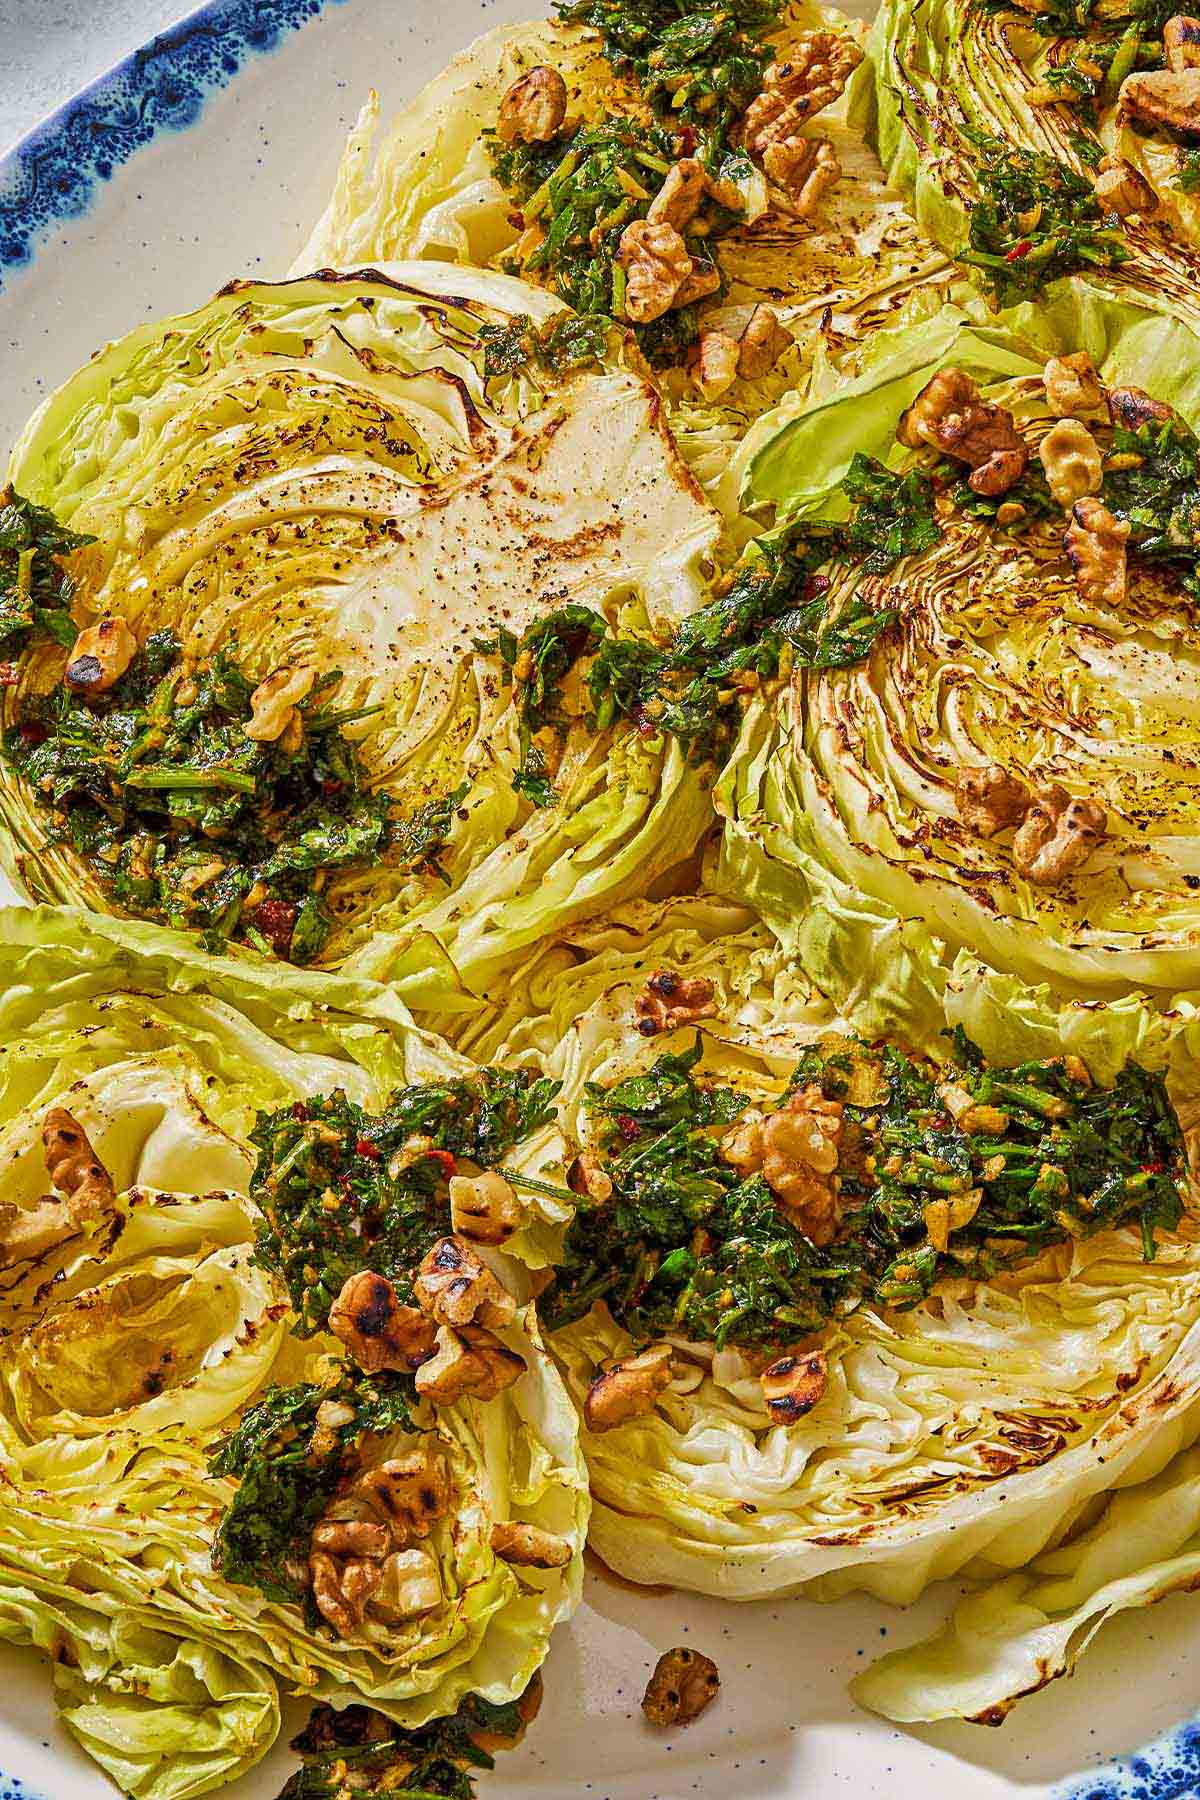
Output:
x=1031 y=493
x=698 y=61
x=35 y=590
x=263 y=1538
x=181 y=817
x=1035 y=219
x=358 y=1751
x=1159 y=495
x=342 y=1189
x=688 y=1245
x=1187 y=178
x=562 y=344
x=894 y=514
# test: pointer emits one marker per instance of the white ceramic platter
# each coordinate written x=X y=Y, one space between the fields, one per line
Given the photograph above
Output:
x=208 y=156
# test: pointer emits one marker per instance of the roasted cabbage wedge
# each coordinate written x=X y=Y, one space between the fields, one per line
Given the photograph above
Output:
x=427 y=189
x=135 y=1340
x=842 y=808
x=998 y=122
x=972 y=1427
x=319 y=474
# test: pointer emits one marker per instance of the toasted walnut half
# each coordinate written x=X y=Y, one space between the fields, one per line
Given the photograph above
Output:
x=683 y=1684
x=274 y=704
x=1070 y=456
x=1181 y=42
x=792 y=1385
x=484 y=1207
x=1057 y=836
x=469 y=1362
x=949 y=415
x=1133 y=407
x=454 y=1287
x=1072 y=385
x=796 y=90
x=342 y=1587
x=377 y=1330
x=629 y=1390
x=796 y=1151
x=1120 y=189
x=683 y=193
x=1169 y=97
x=588 y=1176
x=723 y=357
x=73 y=1166
x=990 y=799
x=529 y=1547
x=411 y=1492
x=1095 y=542
x=100 y=656
x=802 y=172
x=656 y=264
x=670 y=1000
x=534 y=107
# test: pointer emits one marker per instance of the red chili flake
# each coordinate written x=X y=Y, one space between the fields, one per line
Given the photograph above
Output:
x=446 y=1159
x=816 y=584
x=1019 y=250
x=9 y=675
x=628 y=1127
x=646 y=727
x=32 y=732
x=1153 y=1168
x=367 y=1147
x=687 y=139
x=299 y=1110
x=276 y=919
x=330 y=788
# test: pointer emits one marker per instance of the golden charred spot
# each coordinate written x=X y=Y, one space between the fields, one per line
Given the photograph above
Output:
x=377 y=1330
x=684 y=1683
x=792 y=1386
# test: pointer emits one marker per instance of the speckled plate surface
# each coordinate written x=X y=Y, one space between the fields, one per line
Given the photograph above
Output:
x=205 y=156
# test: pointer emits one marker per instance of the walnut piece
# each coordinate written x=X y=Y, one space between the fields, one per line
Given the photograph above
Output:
x=341 y=1589
x=814 y=74
x=73 y=1166
x=1120 y=189
x=454 y=1287
x=990 y=799
x=1169 y=97
x=1132 y=407
x=376 y=1329
x=795 y=1149
x=100 y=656
x=722 y=357
x=274 y=706
x=469 y=1361
x=683 y=1684
x=533 y=108
x=411 y=1492
x=1181 y=42
x=484 y=1207
x=670 y=1000
x=588 y=1176
x=409 y=1584
x=1071 y=458
x=802 y=171
x=656 y=264
x=949 y=415
x=716 y=363
x=629 y=1390
x=360 y=1555
x=1095 y=543
x=1072 y=385
x=1057 y=836
x=687 y=186
x=792 y=1385
x=529 y=1547
x=950 y=1214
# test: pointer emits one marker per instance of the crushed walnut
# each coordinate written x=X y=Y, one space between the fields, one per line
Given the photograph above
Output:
x=100 y=656
x=376 y=1329
x=1181 y=43
x=1095 y=542
x=657 y=265
x=796 y=1150
x=275 y=707
x=1072 y=385
x=670 y=1000
x=362 y=1555
x=484 y=1207
x=1057 y=835
x=723 y=358
x=470 y=1362
x=802 y=172
x=990 y=799
x=1070 y=457
x=792 y=1385
x=455 y=1287
x=533 y=108
x=949 y=415
x=1119 y=188
x=944 y=1216
x=683 y=1684
x=629 y=1390
x=73 y=1166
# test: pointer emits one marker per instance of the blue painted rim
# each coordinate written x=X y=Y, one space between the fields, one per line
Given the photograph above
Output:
x=53 y=175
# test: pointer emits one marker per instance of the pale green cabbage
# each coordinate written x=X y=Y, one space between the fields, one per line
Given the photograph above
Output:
x=841 y=821
x=939 y=70
x=978 y=1424
x=317 y=470
x=425 y=189
x=130 y=1346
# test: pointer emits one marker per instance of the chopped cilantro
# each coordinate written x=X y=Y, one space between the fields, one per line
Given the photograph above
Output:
x=1035 y=219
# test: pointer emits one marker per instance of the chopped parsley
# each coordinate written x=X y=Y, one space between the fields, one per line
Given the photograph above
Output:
x=181 y=817
x=35 y=590
x=894 y=514
x=342 y=1190
x=687 y=1244
x=1159 y=495
x=358 y=1751
x=1035 y=219
x=1187 y=178
x=283 y=1488
x=562 y=344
